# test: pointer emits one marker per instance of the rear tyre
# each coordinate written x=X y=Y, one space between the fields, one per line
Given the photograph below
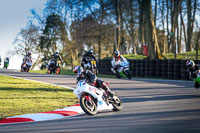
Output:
x=58 y=70
x=117 y=104
x=88 y=105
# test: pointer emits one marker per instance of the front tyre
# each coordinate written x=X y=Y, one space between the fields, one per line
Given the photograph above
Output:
x=88 y=105
x=128 y=74
x=117 y=103
x=196 y=84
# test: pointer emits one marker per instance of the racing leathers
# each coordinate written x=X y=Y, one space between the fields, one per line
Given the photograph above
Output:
x=86 y=59
x=27 y=58
x=56 y=57
x=193 y=71
x=115 y=67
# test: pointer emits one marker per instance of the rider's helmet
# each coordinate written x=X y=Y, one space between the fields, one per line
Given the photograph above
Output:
x=116 y=53
x=56 y=53
x=29 y=53
x=190 y=64
x=78 y=70
x=90 y=52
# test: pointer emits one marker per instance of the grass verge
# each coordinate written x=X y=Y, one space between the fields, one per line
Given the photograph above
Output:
x=20 y=96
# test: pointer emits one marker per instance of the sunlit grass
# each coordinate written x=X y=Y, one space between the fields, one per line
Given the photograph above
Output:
x=18 y=96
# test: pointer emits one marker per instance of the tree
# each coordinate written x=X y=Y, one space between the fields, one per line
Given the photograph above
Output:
x=52 y=37
x=153 y=48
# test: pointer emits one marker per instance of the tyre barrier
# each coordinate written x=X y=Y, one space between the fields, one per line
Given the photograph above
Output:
x=167 y=69
x=158 y=68
x=170 y=74
x=164 y=68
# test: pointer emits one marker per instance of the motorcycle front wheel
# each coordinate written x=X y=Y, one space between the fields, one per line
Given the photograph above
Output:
x=128 y=74
x=88 y=105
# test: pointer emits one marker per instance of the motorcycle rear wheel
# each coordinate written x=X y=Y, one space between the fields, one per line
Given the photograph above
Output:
x=58 y=70
x=117 y=104
x=88 y=106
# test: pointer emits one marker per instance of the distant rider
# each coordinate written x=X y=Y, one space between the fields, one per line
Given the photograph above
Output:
x=6 y=60
x=87 y=57
x=56 y=57
x=91 y=79
x=27 y=58
x=117 y=57
x=52 y=62
x=192 y=68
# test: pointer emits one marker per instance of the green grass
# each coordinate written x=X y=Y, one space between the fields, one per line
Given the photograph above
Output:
x=18 y=96
x=63 y=71
x=131 y=56
x=184 y=56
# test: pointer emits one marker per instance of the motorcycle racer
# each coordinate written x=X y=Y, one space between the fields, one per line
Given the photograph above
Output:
x=56 y=57
x=87 y=57
x=27 y=58
x=117 y=57
x=52 y=63
x=192 y=68
x=91 y=79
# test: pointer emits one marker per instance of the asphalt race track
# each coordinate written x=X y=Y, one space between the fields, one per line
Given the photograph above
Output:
x=150 y=106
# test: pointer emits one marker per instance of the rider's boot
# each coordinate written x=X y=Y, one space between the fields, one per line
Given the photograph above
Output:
x=110 y=93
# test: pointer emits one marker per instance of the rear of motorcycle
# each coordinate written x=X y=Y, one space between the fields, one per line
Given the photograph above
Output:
x=28 y=66
x=94 y=67
x=5 y=65
x=197 y=81
x=58 y=69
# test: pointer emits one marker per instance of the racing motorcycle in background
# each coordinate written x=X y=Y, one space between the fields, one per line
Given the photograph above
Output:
x=6 y=63
x=26 y=66
x=52 y=68
x=196 y=77
x=122 y=69
x=94 y=99
x=91 y=65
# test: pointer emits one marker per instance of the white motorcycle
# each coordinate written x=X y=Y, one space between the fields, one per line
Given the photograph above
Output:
x=93 y=99
x=122 y=69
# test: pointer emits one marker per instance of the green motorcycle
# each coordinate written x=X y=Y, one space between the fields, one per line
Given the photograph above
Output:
x=6 y=62
x=197 y=81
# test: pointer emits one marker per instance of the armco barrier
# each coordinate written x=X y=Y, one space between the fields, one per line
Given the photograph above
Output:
x=167 y=69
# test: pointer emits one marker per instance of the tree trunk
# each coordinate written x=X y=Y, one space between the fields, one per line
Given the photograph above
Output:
x=155 y=12
x=167 y=19
x=190 y=23
x=189 y=46
x=163 y=26
x=141 y=22
x=117 y=24
x=153 y=47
